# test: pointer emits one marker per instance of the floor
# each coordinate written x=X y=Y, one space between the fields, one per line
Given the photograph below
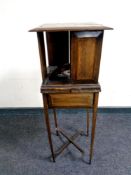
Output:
x=24 y=146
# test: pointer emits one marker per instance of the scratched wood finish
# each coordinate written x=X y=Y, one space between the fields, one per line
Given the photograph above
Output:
x=85 y=55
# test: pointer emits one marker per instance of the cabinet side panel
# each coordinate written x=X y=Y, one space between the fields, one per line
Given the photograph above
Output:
x=58 y=48
x=85 y=55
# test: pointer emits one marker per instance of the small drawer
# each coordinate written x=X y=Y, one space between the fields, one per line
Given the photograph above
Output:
x=71 y=100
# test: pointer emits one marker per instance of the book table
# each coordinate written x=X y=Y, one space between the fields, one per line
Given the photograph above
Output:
x=70 y=57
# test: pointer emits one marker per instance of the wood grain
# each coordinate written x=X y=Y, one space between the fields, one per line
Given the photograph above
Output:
x=85 y=55
x=72 y=100
x=81 y=88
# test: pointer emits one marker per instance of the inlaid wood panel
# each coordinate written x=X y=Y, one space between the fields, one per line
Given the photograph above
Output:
x=71 y=100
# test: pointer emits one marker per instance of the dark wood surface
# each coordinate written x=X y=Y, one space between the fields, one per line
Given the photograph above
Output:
x=71 y=100
x=41 y=46
x=74 y=54
x=95 y=107
x=85 y=55
x=68 y=87
x=58 y=48
x=70 y=27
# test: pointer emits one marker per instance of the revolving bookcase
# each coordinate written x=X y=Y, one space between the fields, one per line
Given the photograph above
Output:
x=70 y=57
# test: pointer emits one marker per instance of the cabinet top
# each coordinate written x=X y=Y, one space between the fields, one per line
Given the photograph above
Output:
x=70 y=27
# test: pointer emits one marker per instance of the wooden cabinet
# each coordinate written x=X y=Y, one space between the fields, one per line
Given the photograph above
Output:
x=70 y=57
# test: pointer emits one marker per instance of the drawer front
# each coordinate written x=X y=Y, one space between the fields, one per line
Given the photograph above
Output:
x=71 y=100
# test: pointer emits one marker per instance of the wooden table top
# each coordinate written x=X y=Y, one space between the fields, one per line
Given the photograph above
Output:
x=70 y=27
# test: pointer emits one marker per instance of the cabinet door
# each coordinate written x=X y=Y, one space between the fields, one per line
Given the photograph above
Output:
x=85 y=55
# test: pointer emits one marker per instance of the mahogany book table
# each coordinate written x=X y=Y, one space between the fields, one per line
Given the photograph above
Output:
x=70 y=57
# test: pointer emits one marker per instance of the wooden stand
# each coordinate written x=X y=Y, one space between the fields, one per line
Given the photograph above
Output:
x=71 y=78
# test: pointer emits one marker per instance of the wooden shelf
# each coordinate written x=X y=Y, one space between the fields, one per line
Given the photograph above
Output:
x=49 y=86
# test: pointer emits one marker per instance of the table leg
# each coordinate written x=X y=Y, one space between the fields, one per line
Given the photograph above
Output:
x=88 y=121
x=93 y=125
x=48 y=126
x=56 y=123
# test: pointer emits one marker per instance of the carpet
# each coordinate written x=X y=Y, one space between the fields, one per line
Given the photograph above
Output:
x=24 y=146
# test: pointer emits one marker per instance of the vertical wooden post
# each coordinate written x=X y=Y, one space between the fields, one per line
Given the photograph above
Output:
x=41 y=47
x=87 y=122
x=48 y=126
x=95 y=105
x=56 y=123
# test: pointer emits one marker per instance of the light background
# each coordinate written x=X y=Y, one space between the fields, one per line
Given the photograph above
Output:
x=20 y=75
